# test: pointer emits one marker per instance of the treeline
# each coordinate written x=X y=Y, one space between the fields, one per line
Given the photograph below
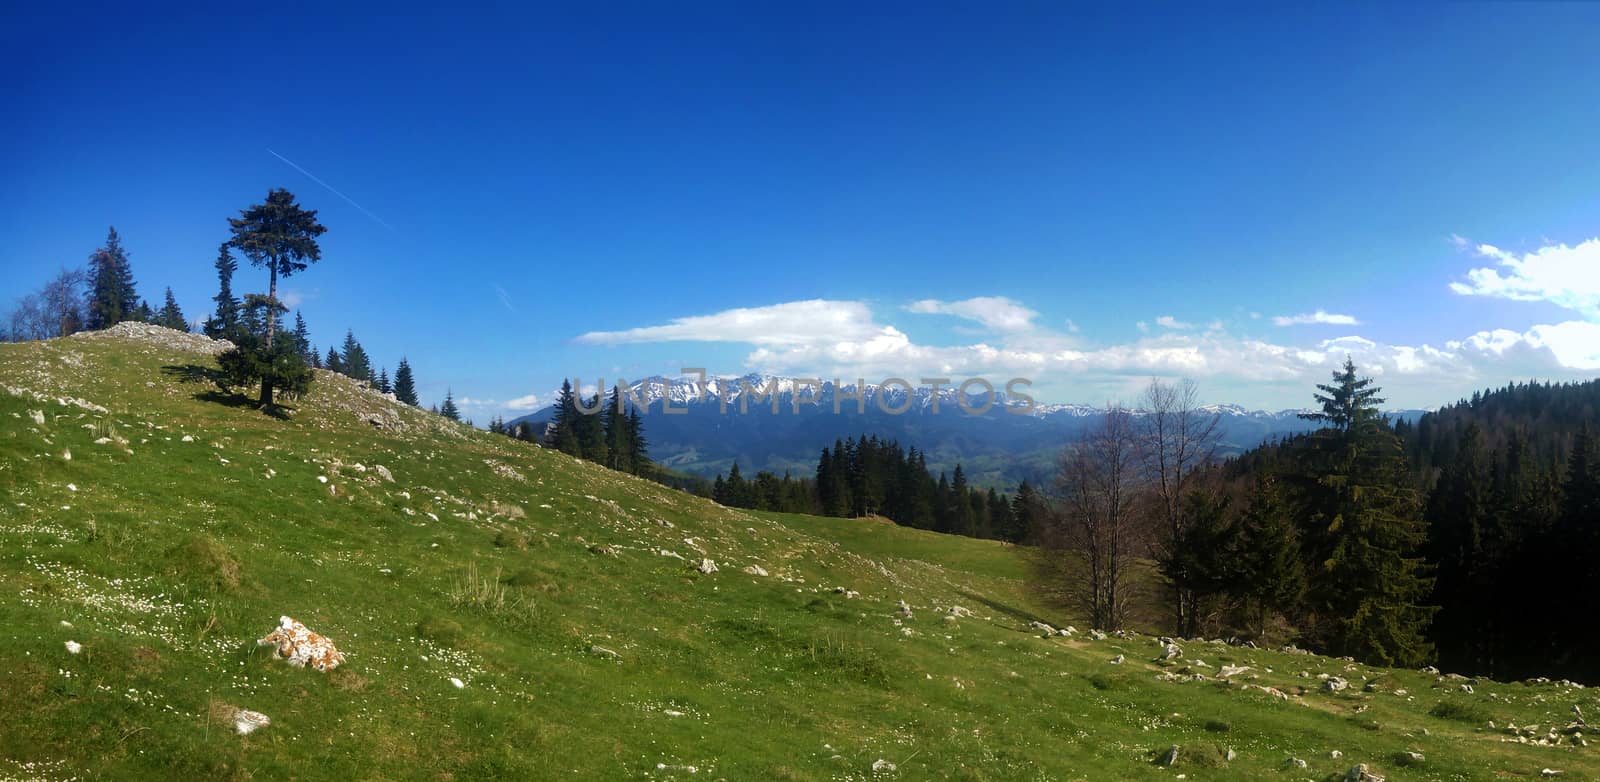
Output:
x=1467 y=538
x=1514 y=528
x=609 y=432
x=866 y=476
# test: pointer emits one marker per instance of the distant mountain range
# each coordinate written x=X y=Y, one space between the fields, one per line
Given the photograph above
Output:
x=705 y=434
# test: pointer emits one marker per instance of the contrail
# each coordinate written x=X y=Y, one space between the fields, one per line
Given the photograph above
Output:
x=505 y=298
x=331 y=189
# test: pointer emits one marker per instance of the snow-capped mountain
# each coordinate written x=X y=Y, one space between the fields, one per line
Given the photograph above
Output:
x=702 y=425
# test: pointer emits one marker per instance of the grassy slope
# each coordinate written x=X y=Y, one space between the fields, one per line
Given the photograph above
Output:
x=170 y=557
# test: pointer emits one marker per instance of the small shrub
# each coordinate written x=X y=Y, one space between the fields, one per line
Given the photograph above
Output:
x=205 y=562
x=1460 y=711
x=1218 y=726
x=1101 y=681
x=445 y=632
x=512 y=538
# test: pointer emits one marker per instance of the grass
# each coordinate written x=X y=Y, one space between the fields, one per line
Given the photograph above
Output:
x=168 y=558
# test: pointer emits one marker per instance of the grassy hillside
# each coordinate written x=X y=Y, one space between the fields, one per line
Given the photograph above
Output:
x=164 y=527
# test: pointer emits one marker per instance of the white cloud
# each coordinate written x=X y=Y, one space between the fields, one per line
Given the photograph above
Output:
x=1568 y=277
x=791 y=323
x=994 y=312
x=1320 y=316
x=842 y=339
x=524 y=403
x=1144 y=328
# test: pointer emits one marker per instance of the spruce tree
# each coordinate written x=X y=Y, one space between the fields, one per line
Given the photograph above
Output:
x=353 y=360
x=638 y=446
x=225 y=318
x=405 y=386
x=1271 y=578
x=449 y=409
x=333 y=363
x=316 y=358
x=383 y=381
x=171 y=315
x=1027 y=510
x=1371 y=595
x=591 y=432
x=302 y=336
x=112 y=298
x=615 y=424
x=1347 y=401
x=566 y=435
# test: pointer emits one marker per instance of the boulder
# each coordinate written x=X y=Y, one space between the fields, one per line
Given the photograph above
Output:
x=1335 y=684
x=297 y=644
x=1170 y=756
x=706 y=566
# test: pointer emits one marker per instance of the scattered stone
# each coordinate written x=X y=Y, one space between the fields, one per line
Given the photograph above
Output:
x=66 y=455
x=904 y=609
x=1171 y=651
x=756 y=570
x=1296 y=762
x=601 y=651
x=1232 y=670
x=881 y=766
x=296 y=643
x=1097 y=635
x=706 y=566
x=603 y=549
x=322 y=479
x=1335 y=684
x=1550 y=772
x=1118 y=660
x=1336 y=754
x=383 y=472
x=958 y=611
x=1360 y=773
x=849 y=594
x=457 y=683
x=1230 y=755
x=73 y=647
x=1171 y=756
x=247 y=722
x=1430 y=670
x=37 y=416
x=188 y=438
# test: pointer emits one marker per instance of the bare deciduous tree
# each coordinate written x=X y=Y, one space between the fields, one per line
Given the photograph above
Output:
x=55 y=310
x=1175 y=438
x=1094 y=534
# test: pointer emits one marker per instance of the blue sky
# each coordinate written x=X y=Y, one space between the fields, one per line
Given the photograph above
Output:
x=1081 y=196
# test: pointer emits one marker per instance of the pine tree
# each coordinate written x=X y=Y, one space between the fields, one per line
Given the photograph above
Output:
x=1027 y=509
x=1272 y=578
x=226 y=317
x=1370 y=597
x=405 y=386
x=448 y=409
x=615 y=424
x=302 y=336
x=112 y=298
x=1348 y=401
x=961 y=521
x=281 y=236
x=565 y=437
x=170 y=315
x=638 y=446
x=1460 y=515
x=591 y=432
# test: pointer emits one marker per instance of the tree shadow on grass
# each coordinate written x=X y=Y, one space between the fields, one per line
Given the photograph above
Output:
x=222 y=394
x=1013 y=611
